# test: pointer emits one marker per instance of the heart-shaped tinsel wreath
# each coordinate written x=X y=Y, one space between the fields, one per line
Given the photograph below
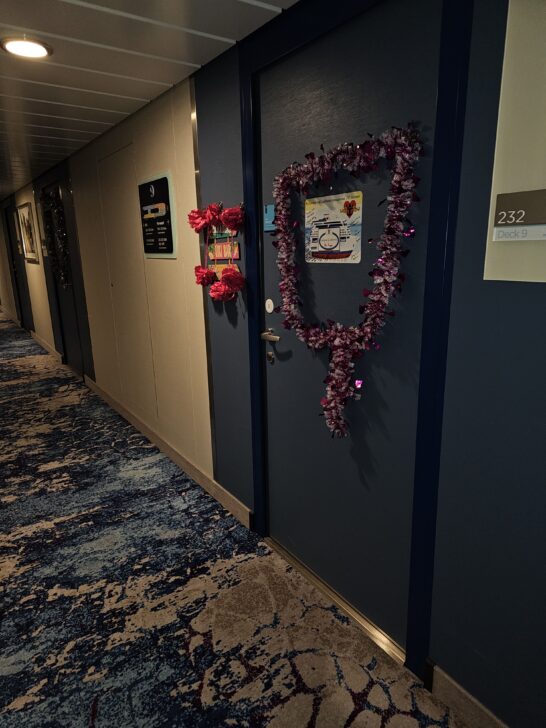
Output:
x=347 y=343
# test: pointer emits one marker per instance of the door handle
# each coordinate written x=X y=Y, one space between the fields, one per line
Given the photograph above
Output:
x=268 y=335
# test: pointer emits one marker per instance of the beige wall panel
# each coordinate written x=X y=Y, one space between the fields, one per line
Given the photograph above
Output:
x=120 y=220
x=83 y=172
x=520 y=152
x=175 y=302
x=166 y=295
x=158 y=340
x=36 y=277
x=172 y=360
x=7 y=300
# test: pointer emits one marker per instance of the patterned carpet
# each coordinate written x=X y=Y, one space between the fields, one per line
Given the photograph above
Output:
x=131 y=598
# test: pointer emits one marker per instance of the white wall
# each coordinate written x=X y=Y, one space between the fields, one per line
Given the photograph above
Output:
x=7 y=301
x=146 y=316
x=36 y=277
x=520 y=152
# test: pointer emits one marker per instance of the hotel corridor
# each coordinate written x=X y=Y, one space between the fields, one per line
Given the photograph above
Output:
x=130 y=597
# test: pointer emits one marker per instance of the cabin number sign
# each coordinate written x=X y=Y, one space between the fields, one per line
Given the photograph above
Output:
x=333 y=228
x=520 y=216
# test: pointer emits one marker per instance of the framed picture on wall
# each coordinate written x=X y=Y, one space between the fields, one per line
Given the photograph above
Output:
x=28 y=235
x=17 y=229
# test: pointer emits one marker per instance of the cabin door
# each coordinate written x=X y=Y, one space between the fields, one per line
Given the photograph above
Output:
x=63 y=270
x=57 y=240
x=343 y=506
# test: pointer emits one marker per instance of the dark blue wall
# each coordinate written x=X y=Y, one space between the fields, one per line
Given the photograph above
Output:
x=488 y=623
x=221 y=178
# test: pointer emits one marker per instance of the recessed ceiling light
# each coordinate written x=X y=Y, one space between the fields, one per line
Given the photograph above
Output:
x=26 y=48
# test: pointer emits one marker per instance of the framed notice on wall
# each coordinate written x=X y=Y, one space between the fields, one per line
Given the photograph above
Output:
x=157 y=218
x=28 y=235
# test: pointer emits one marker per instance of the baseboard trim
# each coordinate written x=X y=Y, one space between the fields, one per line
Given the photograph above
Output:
x=46 y=346
x=376 y=634
x=241 y=512
x=463 y=704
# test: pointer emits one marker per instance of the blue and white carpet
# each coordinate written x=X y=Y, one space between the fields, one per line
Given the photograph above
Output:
x=131 y=598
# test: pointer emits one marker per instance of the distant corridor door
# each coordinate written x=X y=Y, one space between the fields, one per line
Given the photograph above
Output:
x=57 y=242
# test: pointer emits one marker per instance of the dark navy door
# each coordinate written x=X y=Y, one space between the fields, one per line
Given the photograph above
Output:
x=56 y=236
x=63 y=270
x=343 y=506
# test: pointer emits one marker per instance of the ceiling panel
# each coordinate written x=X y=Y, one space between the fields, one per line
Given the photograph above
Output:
x=48 y=106
x=231 y=19
x=30 y=118
x=71 y=53
x=51 y=71
x=12 y=120
x=110 y=58
x=37 y=136
x=93 y=28
x=10 y=86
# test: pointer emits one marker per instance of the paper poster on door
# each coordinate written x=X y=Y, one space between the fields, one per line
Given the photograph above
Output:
x=333 y=228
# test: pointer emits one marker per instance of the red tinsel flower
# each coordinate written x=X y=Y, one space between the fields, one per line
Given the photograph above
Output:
x=197 y=220
x=204 y=276
x=234 y=279
x=233 y=218
x=228 y=287
x=213 y=214
x=220 y=291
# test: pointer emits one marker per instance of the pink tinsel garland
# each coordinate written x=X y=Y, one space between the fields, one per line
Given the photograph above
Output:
x=346 y=343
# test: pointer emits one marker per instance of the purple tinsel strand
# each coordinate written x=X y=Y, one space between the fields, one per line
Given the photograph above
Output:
x=346 y=344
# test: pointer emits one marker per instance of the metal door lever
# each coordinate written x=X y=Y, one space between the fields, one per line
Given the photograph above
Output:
x=268 y=335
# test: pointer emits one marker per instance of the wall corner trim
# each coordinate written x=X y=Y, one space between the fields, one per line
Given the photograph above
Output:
x=46 y=346
x=11 y=315
x=465 y=705
x=237 y=509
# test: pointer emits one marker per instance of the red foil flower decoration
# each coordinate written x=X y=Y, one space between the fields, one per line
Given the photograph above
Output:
x=228 y=287
x=213 y=214
x=221 y=292
x=204 y=276
x=197 y=220
x=233 y=218
x=234 y=279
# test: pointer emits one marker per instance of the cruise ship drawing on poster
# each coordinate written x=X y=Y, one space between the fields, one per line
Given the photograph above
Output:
x=333 y=228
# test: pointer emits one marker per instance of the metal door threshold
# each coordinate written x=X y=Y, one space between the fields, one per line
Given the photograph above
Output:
x=377 y=635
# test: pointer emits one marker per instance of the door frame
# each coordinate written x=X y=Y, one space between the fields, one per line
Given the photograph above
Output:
x=301 y=24
x=60 y=175
x=52 y=297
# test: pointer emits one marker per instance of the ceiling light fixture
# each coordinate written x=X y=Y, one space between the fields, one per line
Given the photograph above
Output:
x=25 y=47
